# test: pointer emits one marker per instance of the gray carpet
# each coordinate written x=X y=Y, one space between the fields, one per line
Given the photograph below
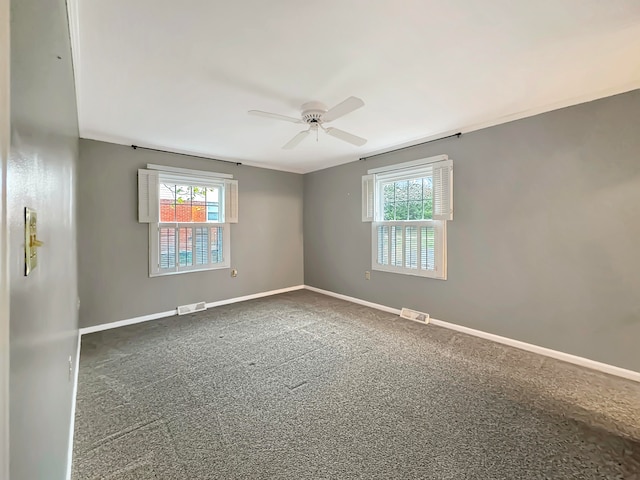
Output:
x=301 y=385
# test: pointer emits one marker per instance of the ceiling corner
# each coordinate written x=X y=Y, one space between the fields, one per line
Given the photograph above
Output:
x=73 y=14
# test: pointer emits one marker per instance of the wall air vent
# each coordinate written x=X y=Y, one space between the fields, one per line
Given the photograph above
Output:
x=191 y=308
x=414 y=315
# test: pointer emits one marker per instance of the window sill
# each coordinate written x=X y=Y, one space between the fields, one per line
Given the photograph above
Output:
x=407 y=271
x=180 y=272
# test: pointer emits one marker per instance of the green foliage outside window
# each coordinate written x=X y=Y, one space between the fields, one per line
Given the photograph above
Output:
x=408 y=199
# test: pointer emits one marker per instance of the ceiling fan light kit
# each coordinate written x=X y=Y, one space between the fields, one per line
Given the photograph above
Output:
x=316 y=114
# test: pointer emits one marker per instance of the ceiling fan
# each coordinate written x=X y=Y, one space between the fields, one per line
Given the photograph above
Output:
x=316 y=114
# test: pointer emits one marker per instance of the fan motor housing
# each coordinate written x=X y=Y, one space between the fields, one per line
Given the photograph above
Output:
x=312 y=112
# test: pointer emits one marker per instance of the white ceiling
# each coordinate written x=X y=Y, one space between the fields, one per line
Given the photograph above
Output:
x=181 y=75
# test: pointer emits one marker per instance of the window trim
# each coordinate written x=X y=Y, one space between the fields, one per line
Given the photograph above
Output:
x=440 y=168
x=149 y=181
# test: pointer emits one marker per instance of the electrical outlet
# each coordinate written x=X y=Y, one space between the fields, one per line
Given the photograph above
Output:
x=70 y=368
x=234 y=273
x=367 y=275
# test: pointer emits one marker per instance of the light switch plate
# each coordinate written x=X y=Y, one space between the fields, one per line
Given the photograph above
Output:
x=30 y=240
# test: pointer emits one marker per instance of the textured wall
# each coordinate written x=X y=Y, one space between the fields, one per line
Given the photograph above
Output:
x=543 y=247
x=41 y=175
x=266 y=244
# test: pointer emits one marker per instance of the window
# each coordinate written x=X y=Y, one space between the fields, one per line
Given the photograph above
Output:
x=409 y=205
x=189 y=215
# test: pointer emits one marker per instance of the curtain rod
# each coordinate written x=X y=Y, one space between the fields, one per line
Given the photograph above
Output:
x=135 y=147
x=458 y=135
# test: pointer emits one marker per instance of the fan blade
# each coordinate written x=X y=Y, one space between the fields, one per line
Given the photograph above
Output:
x=275 y=115
x=296 y=140
x=347 y=137
x=348 y=106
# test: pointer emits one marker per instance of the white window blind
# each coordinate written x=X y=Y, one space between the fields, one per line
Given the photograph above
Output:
x=368 y=197
x=443 y=190
x=187 y=247
x=148 y=202
x=231 y=200
x=414 y=248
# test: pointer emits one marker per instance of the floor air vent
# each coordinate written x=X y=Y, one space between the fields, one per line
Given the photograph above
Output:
x=414 y=315
x=194 y=307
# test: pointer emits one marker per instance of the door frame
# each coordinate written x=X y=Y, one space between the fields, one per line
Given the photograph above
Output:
x=5 y=140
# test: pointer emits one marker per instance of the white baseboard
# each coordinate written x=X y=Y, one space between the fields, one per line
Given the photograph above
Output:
x=253 y=296
x=565 y=357
x=129 y=321
x=377 y=306
x=170 y=313
x=76 y=368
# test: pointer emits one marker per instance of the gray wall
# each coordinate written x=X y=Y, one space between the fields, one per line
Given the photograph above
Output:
x=544 y=245
x=266 y=244
x=41 y=175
